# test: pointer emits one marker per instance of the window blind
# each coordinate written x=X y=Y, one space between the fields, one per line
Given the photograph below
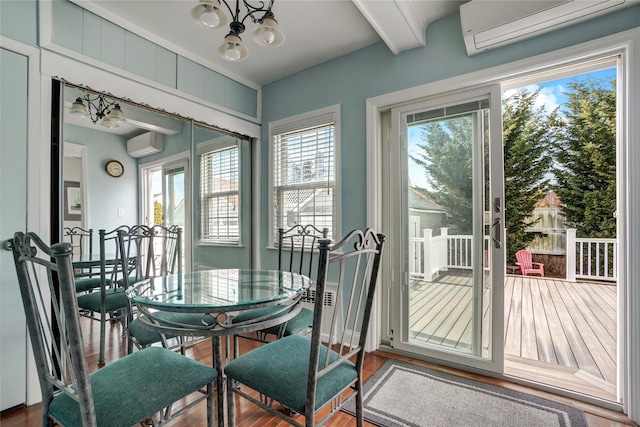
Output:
x=220 y=195
x=304 y=175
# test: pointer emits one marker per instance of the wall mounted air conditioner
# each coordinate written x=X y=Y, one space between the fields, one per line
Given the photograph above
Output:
x=332 y=305
x=487 y=24
x=145 y=144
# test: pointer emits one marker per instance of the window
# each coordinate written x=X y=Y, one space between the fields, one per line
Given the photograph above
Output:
x=303 y=171
x=220 y=194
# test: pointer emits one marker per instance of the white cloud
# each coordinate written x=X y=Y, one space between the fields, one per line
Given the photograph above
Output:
x=549 y=98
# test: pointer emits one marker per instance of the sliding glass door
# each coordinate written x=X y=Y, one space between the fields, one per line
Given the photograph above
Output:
x=447 y=205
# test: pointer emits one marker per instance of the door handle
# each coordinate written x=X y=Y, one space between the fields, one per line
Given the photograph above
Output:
x=6 y=245
x=495 y=233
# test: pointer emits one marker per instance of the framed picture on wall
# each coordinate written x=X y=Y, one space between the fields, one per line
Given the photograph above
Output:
x=72 y=201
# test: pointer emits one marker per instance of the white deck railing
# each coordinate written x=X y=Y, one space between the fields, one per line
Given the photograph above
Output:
x=592 y=259
x=428 y=256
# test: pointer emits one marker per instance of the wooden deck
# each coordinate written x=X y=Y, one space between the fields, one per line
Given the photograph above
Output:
x=556 y=332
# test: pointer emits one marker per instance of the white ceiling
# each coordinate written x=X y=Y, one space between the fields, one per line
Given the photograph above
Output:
x=316 y=30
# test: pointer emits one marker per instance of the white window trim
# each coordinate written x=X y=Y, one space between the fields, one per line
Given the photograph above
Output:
x=627 y=44
x=297 y=122
x=220 y=143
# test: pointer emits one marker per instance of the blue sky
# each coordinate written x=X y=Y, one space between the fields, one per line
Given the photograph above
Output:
x=551 y=96
x=552 y=92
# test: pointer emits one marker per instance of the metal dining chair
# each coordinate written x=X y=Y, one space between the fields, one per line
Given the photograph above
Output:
x=153 y=252
x=306 y=374
x=108 y=301
x=81 y=240
x=297 y=247
x=124 y=393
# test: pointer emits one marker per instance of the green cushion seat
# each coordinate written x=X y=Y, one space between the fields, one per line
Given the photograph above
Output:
x=146 y=337
x=300 y=322
x=279 y=370
x=155 y=378
x=88 y=283
x=116 y=299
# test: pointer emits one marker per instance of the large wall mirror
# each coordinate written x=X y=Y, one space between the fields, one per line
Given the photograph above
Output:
x=151 y=167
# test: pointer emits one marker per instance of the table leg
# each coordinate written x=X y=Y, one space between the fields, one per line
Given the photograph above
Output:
x=217 y=362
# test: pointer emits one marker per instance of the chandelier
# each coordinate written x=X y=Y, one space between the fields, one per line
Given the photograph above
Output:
x=98 y=108
x=209 y=13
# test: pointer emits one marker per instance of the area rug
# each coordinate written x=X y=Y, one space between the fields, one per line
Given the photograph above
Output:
x=401 y=394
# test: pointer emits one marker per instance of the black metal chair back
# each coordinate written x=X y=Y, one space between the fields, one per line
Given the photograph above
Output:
x=336 y=354
x=79 y=238
x=140 y=385
x=45 y=275
x=297 y=246
x=150 y=251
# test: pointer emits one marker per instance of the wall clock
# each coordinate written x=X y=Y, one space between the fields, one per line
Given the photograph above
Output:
x=114 y=168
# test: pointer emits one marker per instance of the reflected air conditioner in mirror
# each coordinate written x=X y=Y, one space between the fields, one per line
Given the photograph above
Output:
x=145 y=144
x=487 y=24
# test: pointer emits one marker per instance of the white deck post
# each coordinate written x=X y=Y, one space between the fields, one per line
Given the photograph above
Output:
x=571 y=255
x=427 y=233
x=444 y=255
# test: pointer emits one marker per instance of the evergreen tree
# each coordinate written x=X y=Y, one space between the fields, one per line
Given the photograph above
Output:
x=527 y=139
x=445 y=154
x=586 y=159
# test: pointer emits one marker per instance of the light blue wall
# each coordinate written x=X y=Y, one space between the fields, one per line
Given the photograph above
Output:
x=105 y=193
x=19 y=20
x=75 y=28
x=13 y=214
x=372 y=71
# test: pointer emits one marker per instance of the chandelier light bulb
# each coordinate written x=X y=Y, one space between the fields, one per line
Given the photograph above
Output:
x=232 y=53
x=209 y=17
x=108 y=123
x=232 y=48
x=78 y=109
x=116 y=115
x=209 y=14
x=268 y=36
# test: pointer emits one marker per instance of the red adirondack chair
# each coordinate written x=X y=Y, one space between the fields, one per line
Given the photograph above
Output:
x=527 y=266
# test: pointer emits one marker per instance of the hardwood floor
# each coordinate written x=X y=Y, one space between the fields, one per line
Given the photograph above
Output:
x=249 y=415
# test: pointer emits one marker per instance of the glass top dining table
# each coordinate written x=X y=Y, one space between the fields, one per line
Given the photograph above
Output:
x=220 y=290
x=215 y=296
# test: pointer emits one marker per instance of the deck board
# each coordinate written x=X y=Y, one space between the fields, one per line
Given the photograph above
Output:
x=562 y=332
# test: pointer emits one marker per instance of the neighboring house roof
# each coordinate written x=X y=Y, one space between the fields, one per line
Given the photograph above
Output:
x=550 y=200
x=421 y=202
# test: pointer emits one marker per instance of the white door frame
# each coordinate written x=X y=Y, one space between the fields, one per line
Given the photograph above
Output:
x=37 y=175
x=627 y=44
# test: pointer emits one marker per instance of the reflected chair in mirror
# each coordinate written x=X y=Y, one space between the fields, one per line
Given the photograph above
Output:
x=111 y=396
x=108 y=303
x=296 y=250
x=153 y=252
x=306 y=374
x=81 y=240
x=527 y=266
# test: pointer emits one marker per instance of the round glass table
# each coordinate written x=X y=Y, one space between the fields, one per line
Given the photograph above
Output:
x=214 y=297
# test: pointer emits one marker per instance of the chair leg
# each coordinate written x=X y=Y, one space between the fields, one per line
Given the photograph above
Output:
x=211 y=420
x=359 y=404
x=103 y=331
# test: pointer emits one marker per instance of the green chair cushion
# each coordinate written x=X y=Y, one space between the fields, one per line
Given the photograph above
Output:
x=116 y=299
x=135 y=387
x=146 y=337
x=88 y=283
x=300 y=322
x=279 y=370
